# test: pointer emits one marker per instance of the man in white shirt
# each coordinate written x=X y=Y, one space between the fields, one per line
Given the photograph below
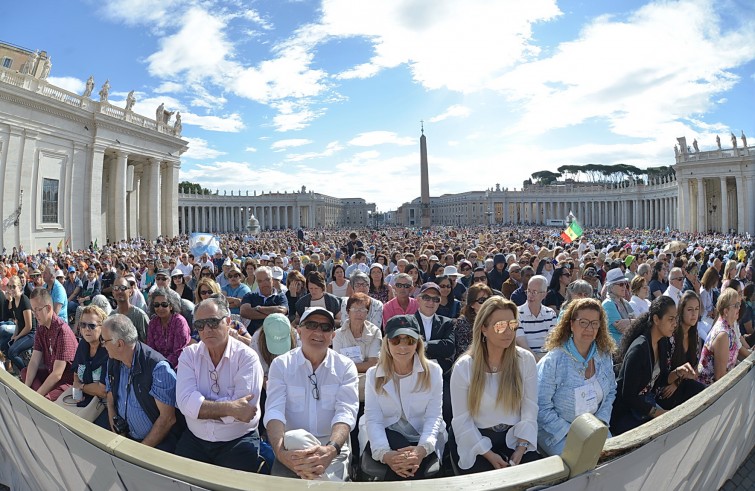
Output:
x=185 y=266
x=535 y=319
x=675 y=284
x=312 y=403
x=218 y=391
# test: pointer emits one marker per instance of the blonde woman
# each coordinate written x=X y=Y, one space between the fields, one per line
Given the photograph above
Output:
x=724 y=344
x=403 y=426
x=494 y=395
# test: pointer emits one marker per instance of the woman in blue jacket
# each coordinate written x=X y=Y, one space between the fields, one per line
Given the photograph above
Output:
x=576 y=376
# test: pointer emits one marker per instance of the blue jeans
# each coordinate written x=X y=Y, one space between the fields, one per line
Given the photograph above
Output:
x=7 y=330
x=18 y=347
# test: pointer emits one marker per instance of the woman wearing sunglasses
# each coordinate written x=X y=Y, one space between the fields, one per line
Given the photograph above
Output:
x=476 y=296
x=576 y=376
x=402 y=426
x=168 y=332
x=89 y=367
x=494 y=395
x=618 y=309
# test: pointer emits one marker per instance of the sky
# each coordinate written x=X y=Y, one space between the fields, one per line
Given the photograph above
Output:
x=329 y=94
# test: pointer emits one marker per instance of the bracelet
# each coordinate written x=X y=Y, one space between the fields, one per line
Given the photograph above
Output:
x=522 y=444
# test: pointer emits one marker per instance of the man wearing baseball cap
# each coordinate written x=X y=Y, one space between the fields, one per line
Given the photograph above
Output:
x=312 y=403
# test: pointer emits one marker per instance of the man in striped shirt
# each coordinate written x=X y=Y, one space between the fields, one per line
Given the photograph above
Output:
x=535 y=319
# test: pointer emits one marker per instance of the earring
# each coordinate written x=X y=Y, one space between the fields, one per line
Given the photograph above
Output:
x=484 y=338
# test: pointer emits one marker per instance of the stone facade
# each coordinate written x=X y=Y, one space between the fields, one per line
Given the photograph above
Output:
x=80 y=171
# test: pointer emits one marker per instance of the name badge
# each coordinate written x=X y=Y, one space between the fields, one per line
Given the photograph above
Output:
x=354 y=353
x=585 y=400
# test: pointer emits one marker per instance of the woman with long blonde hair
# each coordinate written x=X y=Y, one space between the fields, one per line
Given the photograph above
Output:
x=403 y=426
x=494 y=394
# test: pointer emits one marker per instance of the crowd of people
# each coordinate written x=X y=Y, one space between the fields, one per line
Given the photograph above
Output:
x=388 y=354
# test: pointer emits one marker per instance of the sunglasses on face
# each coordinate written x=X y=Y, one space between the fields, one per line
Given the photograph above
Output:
x=480 y=278
x=313 y=326
x=206 y=275
x=120 y=288
x=501 y=326
x=164 y=305
x=403 y=285
x=430 y=298
x=481 y=300
x=87 y=325
x=211 y=322
x=402 y=339
x=206 y=292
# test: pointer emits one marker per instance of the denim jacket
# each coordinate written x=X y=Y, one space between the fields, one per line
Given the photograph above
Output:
x=558 y=375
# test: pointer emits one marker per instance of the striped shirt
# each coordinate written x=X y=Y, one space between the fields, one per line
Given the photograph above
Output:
x=535 y=328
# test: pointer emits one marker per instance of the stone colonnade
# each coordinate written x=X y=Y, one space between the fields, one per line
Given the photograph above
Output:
x=234 y=218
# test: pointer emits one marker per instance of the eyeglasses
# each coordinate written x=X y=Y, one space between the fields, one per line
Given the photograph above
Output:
x=162 y=278
x=315 y=390
x=430 y=298
x=586 y=324
x=121 y=288
x=676 y=279
x=87 y=325
x=359 y=310
x=407 y=340
x=534 y=292
x=466 y=269
x=445 y=286
x=177 y=277
x=164 y=305
x=206 y=292
x=206 y=275
x=568 y=275
x=215 y=387
x=211 y=322
x=403 y=285
x=40 y=309
x=231 y=276
x=105 y=341
x=481 y=300
x=480 y=278
x=501 y=326
x=313 y=325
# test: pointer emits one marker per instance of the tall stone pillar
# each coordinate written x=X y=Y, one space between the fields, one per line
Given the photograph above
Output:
x=118 y=205
x=741 y=210
x=426 y=220
x=93 y=209
x=132 y=198
x=170 y=199
x=700 y=206
x=724 y=206
x=155 y=209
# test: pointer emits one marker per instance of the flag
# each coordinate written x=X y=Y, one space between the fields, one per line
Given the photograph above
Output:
x=60 y=245
x=203 y=243
x=68 y=242
x=572 y=232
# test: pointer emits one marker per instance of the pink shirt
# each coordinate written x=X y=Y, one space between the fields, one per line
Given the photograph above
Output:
x=239 y=374
x=171 y=341
x=392 y=308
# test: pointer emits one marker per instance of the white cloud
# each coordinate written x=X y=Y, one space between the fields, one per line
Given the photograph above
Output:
x=455 y=111
x=138 y=12
x=230 y=123
x=290 y=143
x=168 y=87
x=457 y=45
x=331 y=149
x=71 y=84
x=373 y=138
x=631 y=72
x=250 y=149
x=288 y=119
x=198 y=150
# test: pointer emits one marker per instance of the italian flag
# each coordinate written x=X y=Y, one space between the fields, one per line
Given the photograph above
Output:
x=572 y=232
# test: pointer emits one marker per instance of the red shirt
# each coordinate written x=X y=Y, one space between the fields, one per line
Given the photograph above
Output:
x=57 y=342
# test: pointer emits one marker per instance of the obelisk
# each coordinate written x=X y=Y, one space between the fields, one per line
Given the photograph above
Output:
x=425 y=182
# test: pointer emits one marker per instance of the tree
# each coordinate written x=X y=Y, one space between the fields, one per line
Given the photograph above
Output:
x=545 y=177
x=192 y=187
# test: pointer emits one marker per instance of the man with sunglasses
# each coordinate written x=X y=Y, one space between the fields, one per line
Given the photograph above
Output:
x=49 y=371
x=675 y=284
x=218 y=391
x=122 y=291
x=402 y=303
x=438 y=334
x=140 y=386
x=312 y=403
x=480 y=276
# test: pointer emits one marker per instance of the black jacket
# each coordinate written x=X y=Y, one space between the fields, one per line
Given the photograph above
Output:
x=441 y=346
x=635 y=374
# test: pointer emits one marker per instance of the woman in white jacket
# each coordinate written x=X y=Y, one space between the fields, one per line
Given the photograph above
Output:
x=402 y=426
x=494 y=395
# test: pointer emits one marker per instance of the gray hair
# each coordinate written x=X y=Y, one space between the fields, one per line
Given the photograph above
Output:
x=121 y=327
x=643 y=269
x=264 y=269
x=217 y=300
x=542 y=279
x=579 y=287
x=102 y=302
x=170 y=296
x=404 y=276
x=359 y=275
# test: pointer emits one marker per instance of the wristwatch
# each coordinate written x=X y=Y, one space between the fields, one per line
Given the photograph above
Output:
x=334 y=445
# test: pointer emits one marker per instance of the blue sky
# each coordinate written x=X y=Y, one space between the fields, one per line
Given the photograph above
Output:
x=277 y=94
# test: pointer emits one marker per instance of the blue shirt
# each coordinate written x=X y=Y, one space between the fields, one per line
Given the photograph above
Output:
x=238 y=292
x=163 y=389
x=256 y=299
x=58 y=295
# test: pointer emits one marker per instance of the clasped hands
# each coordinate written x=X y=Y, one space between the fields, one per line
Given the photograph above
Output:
x=405 y=461
x=309 y=463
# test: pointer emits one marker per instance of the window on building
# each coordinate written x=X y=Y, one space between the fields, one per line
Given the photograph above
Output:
x=50 y=200
x=7 y=62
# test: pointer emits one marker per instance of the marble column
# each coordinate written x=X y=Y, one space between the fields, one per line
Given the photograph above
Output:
x=741 y=210
x=701 y=211
x=155 y=199
x=724 y=205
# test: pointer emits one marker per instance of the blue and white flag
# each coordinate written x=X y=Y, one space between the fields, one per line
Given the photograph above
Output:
x=203 y=243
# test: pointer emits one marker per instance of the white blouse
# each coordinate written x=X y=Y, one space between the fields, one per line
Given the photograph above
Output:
x=467 y=428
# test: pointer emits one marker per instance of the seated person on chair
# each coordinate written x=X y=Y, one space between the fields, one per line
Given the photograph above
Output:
x=403 y=426
x=141 y=387
x=312 y=402
x=90 y=362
